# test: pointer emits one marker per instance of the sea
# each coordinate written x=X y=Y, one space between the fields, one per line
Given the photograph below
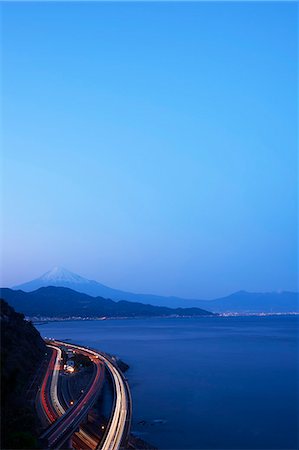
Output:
x=206 y=382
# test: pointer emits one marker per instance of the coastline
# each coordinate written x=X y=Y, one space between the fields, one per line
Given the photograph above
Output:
x=44 y=320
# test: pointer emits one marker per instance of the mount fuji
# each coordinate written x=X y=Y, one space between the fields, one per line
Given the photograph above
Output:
x=61 y=277
x=240 y=302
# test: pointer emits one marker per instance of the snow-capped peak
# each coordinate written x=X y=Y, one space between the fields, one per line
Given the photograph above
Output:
x=59 y=274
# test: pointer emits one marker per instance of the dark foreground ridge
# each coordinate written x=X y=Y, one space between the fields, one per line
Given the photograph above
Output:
x=64 y=302
x=22 y=350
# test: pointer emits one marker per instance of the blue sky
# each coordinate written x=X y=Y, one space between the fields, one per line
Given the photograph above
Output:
x=151 y=146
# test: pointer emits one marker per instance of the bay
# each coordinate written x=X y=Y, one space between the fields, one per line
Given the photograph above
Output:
x=203 y=383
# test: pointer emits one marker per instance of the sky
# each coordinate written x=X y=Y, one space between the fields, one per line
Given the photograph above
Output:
x=151 y=146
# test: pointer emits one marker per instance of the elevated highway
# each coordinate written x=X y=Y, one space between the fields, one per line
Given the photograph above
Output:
x=66 y=422
x=60 y=410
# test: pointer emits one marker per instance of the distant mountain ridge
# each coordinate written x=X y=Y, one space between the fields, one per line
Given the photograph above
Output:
x=54 y=301
x=239 y=302
x=254 y=302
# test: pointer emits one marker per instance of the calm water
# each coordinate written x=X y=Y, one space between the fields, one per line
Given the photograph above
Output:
x=205 y=383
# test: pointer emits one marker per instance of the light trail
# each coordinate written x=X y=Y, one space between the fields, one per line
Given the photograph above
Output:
x=121 y=412
x=65 y=426
x=47 y=408
x=54 y=383
x=116 y=430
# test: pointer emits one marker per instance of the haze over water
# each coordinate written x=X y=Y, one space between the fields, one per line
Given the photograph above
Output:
x=209 y=383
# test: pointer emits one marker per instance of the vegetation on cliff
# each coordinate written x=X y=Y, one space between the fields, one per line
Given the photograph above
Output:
x=22 y=350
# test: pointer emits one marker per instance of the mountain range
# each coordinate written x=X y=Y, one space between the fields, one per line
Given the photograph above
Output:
x=54 y=301
x=239 y=302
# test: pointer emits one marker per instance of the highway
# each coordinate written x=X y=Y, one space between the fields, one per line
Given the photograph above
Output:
x=118 y=422
x=68 y=420
x=45 y=404
x=54 y=382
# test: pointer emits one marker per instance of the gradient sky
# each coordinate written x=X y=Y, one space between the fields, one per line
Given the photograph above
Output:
x=151 y=146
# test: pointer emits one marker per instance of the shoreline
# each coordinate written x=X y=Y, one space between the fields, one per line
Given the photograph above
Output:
x=43 y=320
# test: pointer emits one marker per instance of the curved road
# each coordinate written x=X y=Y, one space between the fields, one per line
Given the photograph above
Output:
x=54 y=383
x=44 y=403
x=119 y=424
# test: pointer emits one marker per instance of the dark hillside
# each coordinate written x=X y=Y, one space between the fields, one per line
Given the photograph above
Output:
x=22 y=350
x=55 y=301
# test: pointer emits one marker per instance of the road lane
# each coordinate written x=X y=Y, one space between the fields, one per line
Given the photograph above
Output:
x=54 y=382
x=46 y=405
x=120 y=421
x=67 y=423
